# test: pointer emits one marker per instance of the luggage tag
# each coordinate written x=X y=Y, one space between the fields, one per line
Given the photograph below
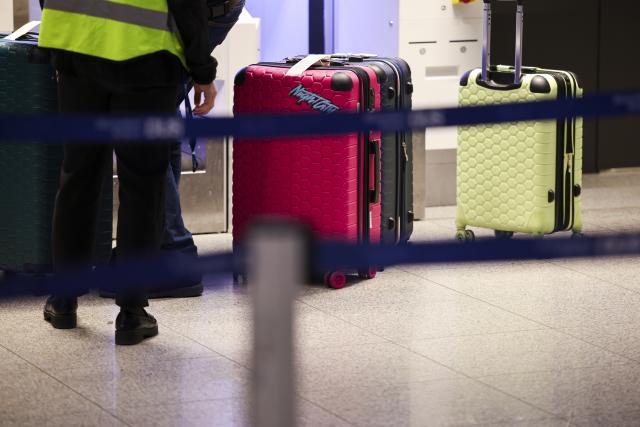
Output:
x=308 y=62
x=22 y=31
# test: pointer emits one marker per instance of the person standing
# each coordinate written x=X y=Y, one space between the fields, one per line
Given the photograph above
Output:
x=125 y=57
x=177 y=240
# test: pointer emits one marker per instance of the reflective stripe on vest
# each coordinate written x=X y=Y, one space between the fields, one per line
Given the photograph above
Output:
x=117 y=30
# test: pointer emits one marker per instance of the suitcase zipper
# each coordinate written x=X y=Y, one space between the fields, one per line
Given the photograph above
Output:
x=561 y=136
x=565 y=179
x=367 y=104
x=401 y=148
x=569 y=150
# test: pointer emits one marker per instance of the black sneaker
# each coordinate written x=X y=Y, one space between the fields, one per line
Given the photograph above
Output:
x=61 y=312
x=134 y=326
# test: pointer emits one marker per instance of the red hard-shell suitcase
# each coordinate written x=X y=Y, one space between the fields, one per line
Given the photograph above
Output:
x=331 y=183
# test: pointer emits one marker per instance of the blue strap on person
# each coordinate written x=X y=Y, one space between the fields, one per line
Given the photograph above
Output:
x=193 y=142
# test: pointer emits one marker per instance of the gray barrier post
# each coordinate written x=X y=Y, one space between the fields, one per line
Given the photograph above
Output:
x=277 y=264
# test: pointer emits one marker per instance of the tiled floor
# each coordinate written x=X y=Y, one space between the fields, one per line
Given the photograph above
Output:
x=501 y=344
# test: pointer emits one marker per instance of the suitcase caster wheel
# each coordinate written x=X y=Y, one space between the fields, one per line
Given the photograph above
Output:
x=335 y=280
x=238 y=279
x=465 y=236
x=368 y=274
x=577 y=235
x=503 y=235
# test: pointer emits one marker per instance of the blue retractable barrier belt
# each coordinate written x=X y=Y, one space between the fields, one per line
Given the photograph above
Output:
x=169 y=128
x=327 y=257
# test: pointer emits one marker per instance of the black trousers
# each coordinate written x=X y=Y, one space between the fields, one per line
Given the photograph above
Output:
x=142 y=170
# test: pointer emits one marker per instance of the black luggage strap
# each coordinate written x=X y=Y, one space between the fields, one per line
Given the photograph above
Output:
x=193 y=142
x=218 y=9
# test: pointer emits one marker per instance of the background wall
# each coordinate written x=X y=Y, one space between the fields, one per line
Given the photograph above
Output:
x=285 y=27
x=376 y=25
x=6 y=15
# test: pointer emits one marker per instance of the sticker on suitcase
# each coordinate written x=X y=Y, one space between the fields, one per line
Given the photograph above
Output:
x=314 y=100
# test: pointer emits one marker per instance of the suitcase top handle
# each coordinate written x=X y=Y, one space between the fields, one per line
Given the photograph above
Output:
x=486 y=42
x=517 y=1
x=22 y=31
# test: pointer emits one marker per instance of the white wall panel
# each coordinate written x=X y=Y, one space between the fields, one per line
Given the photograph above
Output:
x=6 y=15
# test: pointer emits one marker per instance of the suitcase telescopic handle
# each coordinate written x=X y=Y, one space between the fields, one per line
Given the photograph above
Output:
x=486 y=41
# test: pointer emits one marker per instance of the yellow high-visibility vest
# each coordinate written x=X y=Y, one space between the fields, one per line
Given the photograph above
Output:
x=110 y=29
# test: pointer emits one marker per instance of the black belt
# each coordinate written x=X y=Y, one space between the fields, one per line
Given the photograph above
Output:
x=219 y=10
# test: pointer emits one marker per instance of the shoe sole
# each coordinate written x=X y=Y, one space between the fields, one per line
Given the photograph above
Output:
x=135 y=336
x=68 y=321
x=186 y=292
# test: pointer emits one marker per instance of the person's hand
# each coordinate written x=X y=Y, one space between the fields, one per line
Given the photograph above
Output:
x=209 y=91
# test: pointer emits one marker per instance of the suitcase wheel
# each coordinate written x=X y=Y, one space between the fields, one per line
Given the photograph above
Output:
x=368 y=274
x=335 y=279
x=503 y=235
x=238 y=279
x=465 y=236
x=577 y=235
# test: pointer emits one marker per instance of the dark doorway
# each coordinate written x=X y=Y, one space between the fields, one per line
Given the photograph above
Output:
x=595 y=39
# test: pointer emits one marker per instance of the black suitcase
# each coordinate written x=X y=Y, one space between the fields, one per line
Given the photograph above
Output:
x=30 y=172
x=394 y=75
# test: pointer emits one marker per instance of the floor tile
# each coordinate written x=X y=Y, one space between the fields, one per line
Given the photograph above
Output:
x=433 y=403
x=10 y=361
x=97 y=418
x=432 y=230
x=317 y=329
x=514 y=352
x=366 y=365
x=440 y=212
x=219 y=413
x=217 y=242
x=210 y=413
x=311 y=415
x=543 y=292
x=543 y=422
x=91 y=344
x=572 y=392
x=611 y=189
x=619 y=338
x=621 y=271
x=158 y=383
x=411 y=308
x=226 y=331
x=621 y=219
x=28 y=394
x=620 y=419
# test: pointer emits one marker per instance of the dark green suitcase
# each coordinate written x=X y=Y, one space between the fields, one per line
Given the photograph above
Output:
x=30 y=172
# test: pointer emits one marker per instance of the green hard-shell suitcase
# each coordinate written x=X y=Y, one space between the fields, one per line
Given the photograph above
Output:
x=30 y=171
x=518 y=177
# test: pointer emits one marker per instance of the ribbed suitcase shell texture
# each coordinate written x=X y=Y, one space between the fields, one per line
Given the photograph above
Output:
x=30 y=172
x=315 y=180
x=505 y=172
